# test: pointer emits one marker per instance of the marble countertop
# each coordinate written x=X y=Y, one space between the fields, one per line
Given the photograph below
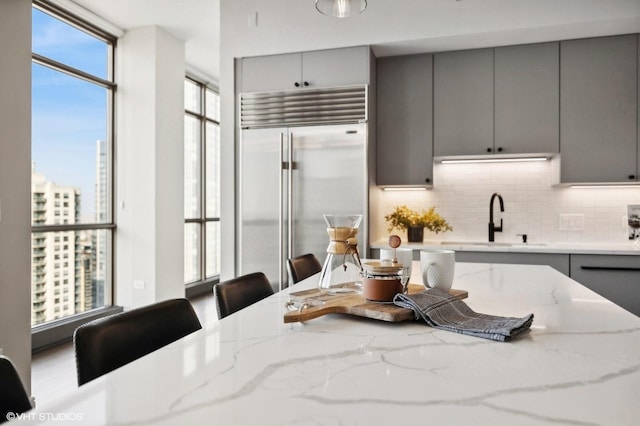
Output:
x=623 y=248
x=579 y=364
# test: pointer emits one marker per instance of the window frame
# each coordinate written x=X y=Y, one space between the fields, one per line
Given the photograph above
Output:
x=53 y=332
x=202 y=284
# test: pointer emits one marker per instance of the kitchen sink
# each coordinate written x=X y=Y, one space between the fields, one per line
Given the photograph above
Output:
x=490 y=244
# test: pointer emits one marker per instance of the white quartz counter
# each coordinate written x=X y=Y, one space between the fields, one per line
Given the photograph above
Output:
x=578 y=365
x=623 y=248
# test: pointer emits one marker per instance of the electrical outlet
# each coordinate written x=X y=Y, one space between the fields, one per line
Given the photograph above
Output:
x=571 y=222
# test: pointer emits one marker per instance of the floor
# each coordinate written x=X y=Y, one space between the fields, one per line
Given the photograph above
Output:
x=53 y=372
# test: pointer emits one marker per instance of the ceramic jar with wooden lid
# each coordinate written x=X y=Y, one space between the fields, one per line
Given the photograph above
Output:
x=381 y=281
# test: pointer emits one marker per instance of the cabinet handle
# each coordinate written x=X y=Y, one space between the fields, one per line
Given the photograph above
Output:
x=608 y=268
x=428 y=180
x=499 y=149
x=296 y=84
x=489 y=150
x=306 y=84
x=632 y=177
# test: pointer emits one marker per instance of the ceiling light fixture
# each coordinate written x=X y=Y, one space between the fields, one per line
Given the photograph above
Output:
x=341 y=8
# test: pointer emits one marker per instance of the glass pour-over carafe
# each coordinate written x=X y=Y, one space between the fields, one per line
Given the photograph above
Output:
x=341 y=269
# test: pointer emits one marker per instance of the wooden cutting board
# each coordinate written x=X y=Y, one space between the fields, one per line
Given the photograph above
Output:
x=320 y=302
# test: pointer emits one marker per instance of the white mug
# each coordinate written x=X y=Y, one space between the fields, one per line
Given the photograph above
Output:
x=404 y=256
x=438 y=268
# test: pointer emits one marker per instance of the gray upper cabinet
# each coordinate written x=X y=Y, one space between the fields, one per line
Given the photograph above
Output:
x=404 y=120
x=313 y=70
x=271 y=73
x=527 y=99
x=598 y=109
x=463 y=102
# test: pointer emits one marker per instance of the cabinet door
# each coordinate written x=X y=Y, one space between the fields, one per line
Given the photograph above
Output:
x=598 y=109
x=463 y=102
x=527 y=99
x=335 y=67
x=559 y=262
x=615 y=277
x=404 y=120
x=271 y=73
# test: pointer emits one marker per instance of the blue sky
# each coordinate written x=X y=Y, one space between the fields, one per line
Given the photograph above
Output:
x=69 y=114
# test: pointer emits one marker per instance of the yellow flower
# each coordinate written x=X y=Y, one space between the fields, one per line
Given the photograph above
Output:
x=404 y=218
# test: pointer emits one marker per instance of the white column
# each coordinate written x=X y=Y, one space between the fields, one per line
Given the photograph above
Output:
x=15 y=184
x=149 y=158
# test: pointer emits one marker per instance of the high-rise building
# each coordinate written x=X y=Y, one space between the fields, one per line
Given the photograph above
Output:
x=57 y=281
x=99 y=241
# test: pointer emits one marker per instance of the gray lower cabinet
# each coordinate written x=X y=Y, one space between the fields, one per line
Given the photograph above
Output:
x=560 y=262
x=404 y=144
x=598 y=109
x=527 y=98
x=313 y=69
x=616 y=278
x=463 y=103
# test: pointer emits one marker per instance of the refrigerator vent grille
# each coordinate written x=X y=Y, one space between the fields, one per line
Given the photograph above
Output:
x=304 y=107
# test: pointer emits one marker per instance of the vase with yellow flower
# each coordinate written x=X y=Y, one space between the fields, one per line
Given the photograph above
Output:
x=414 y=222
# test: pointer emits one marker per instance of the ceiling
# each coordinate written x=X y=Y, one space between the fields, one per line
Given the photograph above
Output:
x=196 y=22
x=391 y=27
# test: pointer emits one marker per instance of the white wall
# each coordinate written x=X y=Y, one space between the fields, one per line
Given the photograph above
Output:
x=461 y=194
x=150 y=167
x=15 y=184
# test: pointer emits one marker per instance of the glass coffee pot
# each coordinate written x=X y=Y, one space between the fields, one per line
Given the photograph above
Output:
x=341 y=270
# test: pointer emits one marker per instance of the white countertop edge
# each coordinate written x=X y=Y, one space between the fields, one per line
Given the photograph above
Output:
x=617 y=249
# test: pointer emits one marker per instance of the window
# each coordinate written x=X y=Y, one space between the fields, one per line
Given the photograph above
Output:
x=201 y=183
x=72 y=174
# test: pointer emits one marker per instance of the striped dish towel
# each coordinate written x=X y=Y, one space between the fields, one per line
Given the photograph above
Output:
x=441 y=310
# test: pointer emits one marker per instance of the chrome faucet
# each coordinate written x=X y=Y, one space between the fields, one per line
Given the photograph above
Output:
x=492 y=227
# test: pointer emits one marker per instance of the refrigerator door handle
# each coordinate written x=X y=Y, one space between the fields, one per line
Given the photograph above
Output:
x=281 y=260
x=290 y=198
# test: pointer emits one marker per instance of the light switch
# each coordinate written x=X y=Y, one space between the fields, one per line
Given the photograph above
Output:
x=253 y=19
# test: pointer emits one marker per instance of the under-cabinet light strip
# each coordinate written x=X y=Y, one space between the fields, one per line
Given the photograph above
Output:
x=494 y=160
x=403 y=188
x=604 y=186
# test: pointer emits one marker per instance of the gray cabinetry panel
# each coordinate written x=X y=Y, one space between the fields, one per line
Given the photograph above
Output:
x=271 y=73
x=527 y=99
x=615 y=277
x=560 y=262
x=336 y=67
x=314 y=69
x=463 y=102
x=598 y=109
x=404 y=120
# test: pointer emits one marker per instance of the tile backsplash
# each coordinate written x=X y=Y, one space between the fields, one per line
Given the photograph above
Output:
x=532 y=205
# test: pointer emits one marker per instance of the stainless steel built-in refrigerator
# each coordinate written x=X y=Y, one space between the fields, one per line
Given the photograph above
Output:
x=289 y=177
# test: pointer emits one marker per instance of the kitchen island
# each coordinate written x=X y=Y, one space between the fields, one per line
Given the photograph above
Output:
x=578 y=364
